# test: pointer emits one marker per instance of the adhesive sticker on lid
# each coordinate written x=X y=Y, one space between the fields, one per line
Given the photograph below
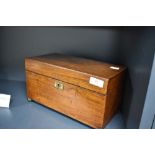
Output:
x=96 y=82
x=115 y=68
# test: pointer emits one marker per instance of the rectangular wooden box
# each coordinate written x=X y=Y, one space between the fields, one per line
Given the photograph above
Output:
x=86 y=90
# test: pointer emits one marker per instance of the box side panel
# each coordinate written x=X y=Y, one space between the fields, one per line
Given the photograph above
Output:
x=113 y=97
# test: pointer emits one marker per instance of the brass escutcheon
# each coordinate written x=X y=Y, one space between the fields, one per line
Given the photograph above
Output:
x=58 y=85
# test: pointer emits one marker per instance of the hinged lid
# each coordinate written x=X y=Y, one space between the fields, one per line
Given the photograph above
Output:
x=86 y=73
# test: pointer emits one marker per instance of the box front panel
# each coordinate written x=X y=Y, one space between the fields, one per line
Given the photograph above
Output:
x=79 y=103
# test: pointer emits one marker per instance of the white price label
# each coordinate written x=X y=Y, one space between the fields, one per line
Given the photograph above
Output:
x=115 y=68
x=96 y=82
x=4 y=100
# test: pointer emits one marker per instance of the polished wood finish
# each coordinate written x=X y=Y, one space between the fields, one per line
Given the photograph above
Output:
x=78 y=99
x=73 y=70
x=76 y=102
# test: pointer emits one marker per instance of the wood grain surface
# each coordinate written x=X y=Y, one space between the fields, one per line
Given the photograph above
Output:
x=79 y=103
x=73 y=70
x=89 y=104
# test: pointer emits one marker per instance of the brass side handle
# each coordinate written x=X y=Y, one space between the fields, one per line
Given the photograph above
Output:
x=58 y=85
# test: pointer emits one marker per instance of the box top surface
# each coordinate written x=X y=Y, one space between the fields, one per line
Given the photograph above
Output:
x=82 y=65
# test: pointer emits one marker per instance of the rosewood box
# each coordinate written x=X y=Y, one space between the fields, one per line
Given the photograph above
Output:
x=86 y=90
